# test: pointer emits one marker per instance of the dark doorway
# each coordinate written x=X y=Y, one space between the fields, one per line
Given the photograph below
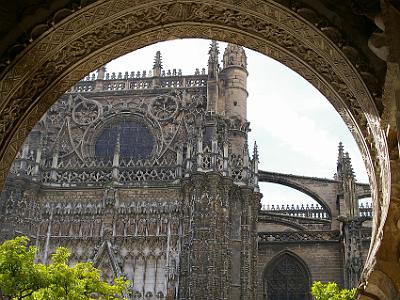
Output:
x=287 y=279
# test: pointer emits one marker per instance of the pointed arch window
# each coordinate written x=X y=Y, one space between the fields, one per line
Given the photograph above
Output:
x=287 y=279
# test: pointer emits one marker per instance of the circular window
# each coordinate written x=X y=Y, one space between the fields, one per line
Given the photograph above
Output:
x=135 y=139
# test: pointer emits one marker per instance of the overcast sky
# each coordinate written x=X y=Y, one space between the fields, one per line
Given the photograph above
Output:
x=296 y=128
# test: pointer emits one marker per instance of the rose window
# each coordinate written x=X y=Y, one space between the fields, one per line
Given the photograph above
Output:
x=135 y=140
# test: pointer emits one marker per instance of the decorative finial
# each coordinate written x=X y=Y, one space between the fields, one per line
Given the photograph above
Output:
x=213 y=65
x=213 y=53
x=340 y=158
x=255 y=151
x=348 y=165
x=157 y=66
x=340 y=149
x=157 y=60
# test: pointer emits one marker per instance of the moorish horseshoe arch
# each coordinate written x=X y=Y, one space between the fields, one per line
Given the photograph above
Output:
x=99 y=32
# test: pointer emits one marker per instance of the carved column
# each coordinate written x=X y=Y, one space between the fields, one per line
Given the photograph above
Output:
x=217 y=261
x=205 y=253
x=352 y=252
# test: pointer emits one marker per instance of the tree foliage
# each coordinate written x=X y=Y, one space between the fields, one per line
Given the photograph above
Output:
x=331 y=291
x=22 y=278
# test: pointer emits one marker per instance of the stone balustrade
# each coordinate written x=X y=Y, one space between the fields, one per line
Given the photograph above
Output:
x=303 y=210
x=139 y=81
x=313 y=211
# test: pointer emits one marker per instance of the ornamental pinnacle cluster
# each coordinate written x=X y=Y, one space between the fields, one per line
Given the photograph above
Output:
x=149 y=175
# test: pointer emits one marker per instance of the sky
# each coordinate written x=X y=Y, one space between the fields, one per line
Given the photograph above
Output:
x=296 y=128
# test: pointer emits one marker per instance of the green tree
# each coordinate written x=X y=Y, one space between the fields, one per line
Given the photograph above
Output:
x=331 y=291
x=80 y=282
x=22 y=278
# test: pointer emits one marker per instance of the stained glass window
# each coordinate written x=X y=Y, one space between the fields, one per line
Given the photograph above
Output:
x=134 y=137
x=287 y=280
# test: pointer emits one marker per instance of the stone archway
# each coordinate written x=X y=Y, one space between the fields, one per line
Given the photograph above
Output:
x=287 y=277
x=104 y=30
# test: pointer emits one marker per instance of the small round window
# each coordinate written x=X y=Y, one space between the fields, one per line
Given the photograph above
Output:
x=135 y=140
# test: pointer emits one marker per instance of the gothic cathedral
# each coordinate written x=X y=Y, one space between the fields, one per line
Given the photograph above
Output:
x=149 y=175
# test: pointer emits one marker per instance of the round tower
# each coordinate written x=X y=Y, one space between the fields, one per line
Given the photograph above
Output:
x=233 y=95
x=234 y=82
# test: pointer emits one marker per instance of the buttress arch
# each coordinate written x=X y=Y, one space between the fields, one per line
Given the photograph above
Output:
x=89 y=36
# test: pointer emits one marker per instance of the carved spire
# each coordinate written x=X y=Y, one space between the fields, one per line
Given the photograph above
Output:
x=213 y=65
x=348 y=167
x=340 y=152
x=340 y=161
x=347 y=185
x=255 y=151
x=157 y=66
x=344 y=166
x=212 y=83
x=234 y=55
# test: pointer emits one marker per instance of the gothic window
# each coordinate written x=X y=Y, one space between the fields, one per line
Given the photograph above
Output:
x=135 y=140
x=287 y=279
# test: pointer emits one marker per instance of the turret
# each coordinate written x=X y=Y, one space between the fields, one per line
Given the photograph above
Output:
x=233 y=95
x=234 y=76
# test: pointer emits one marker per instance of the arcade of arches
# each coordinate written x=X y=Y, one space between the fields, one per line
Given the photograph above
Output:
x=349 y=50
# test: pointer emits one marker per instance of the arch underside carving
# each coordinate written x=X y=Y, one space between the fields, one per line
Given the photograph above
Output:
x=95 y=34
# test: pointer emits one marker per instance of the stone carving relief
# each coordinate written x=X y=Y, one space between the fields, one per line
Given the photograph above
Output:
x=122 y=234
x=70 y=123
x=164 y=107
x=86 y=112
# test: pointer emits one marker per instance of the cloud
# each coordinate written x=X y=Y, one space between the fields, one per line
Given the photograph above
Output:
x=289 y=114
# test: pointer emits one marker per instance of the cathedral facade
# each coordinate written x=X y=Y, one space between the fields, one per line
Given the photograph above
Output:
x=149 y=175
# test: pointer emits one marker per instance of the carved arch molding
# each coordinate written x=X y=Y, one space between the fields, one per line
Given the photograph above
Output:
x=104 y=30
